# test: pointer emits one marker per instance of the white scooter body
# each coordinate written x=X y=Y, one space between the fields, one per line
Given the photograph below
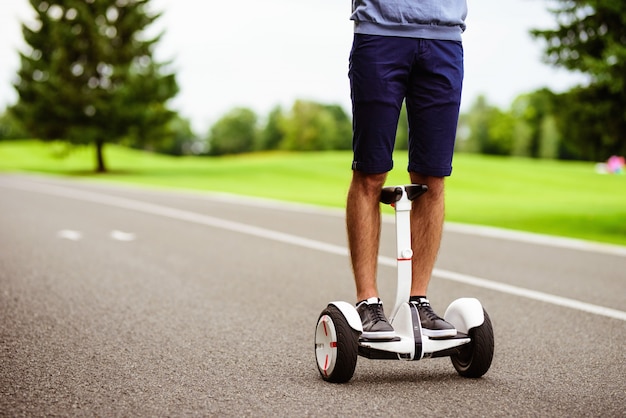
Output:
x=410 y=344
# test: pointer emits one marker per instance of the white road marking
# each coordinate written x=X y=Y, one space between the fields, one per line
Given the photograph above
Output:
x=122 y=236
x=531 y=294
x=70 y=235
x=477 y=230
x=211 y=221
x=532 y=238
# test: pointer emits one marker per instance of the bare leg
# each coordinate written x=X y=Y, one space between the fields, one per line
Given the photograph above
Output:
x=363 y=225
x=427 y=218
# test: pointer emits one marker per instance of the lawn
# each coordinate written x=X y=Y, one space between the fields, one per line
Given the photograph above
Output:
x=552 y=197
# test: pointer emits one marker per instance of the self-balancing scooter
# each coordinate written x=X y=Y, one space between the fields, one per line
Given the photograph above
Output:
x=338 y=340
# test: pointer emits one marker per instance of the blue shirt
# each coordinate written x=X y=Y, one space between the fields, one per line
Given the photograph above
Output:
x=428 y=19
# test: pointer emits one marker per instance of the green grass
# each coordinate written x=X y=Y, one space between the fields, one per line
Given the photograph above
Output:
x=552 y=197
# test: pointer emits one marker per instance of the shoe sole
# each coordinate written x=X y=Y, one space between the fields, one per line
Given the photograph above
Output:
x=439 y=333
x=381 y=335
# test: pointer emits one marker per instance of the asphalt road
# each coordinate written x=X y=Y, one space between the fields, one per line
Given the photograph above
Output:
x=117 y=301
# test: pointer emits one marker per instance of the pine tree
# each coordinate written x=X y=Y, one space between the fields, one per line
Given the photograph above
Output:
x=89 y=76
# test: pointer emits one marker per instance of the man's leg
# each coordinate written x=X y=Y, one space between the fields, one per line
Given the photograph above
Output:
x=363 y=224
x=427 y=218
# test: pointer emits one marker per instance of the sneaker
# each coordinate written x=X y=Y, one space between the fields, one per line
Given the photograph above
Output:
x=432 y=324
x=375 y=324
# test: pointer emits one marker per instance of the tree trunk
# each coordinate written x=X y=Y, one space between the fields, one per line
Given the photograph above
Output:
x=101 y=167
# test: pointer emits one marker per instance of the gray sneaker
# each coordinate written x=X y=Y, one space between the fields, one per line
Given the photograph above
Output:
x=375 y=324
x=432 y=324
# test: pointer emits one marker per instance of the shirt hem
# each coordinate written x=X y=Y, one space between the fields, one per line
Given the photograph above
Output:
x=444 y=33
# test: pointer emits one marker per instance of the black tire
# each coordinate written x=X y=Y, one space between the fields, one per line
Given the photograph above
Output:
x=475 y=358
x=347 y=347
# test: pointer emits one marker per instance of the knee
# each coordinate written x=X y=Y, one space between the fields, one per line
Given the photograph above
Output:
x=369 y=184
x=435 y=184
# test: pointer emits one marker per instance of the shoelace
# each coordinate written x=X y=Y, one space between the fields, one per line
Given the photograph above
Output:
x=377 y=313
x=428 y=310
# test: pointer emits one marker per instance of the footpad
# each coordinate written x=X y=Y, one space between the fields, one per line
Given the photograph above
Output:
x=379 y=340
x=458 y=336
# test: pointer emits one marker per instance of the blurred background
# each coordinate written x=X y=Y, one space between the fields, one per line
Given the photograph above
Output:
x=544 y=86
x=264 y=57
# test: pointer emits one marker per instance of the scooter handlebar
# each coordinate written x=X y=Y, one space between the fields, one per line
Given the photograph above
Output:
x=392 y=194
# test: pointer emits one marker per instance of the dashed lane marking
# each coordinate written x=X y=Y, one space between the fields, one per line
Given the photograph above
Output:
x=123 y=236
x=70 y=235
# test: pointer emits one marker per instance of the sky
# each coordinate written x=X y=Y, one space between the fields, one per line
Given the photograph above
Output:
x=260 y=55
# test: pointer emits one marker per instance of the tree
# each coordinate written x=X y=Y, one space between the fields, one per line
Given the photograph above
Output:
x=343 y=132
x=10 y=127
x=486 y=129
x=536 y=134
x=183 y=140
x=591 y=38
x=312 y=126
x=273 y=132
x=89 y=77
x=234 y=133
x=589 y=122
x=178 y=139
x=550 y=138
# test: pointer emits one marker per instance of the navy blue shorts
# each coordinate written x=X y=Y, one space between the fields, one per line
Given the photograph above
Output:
x=428 y=73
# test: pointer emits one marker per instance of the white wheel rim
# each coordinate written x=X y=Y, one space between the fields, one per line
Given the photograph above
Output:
x=326 y=345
